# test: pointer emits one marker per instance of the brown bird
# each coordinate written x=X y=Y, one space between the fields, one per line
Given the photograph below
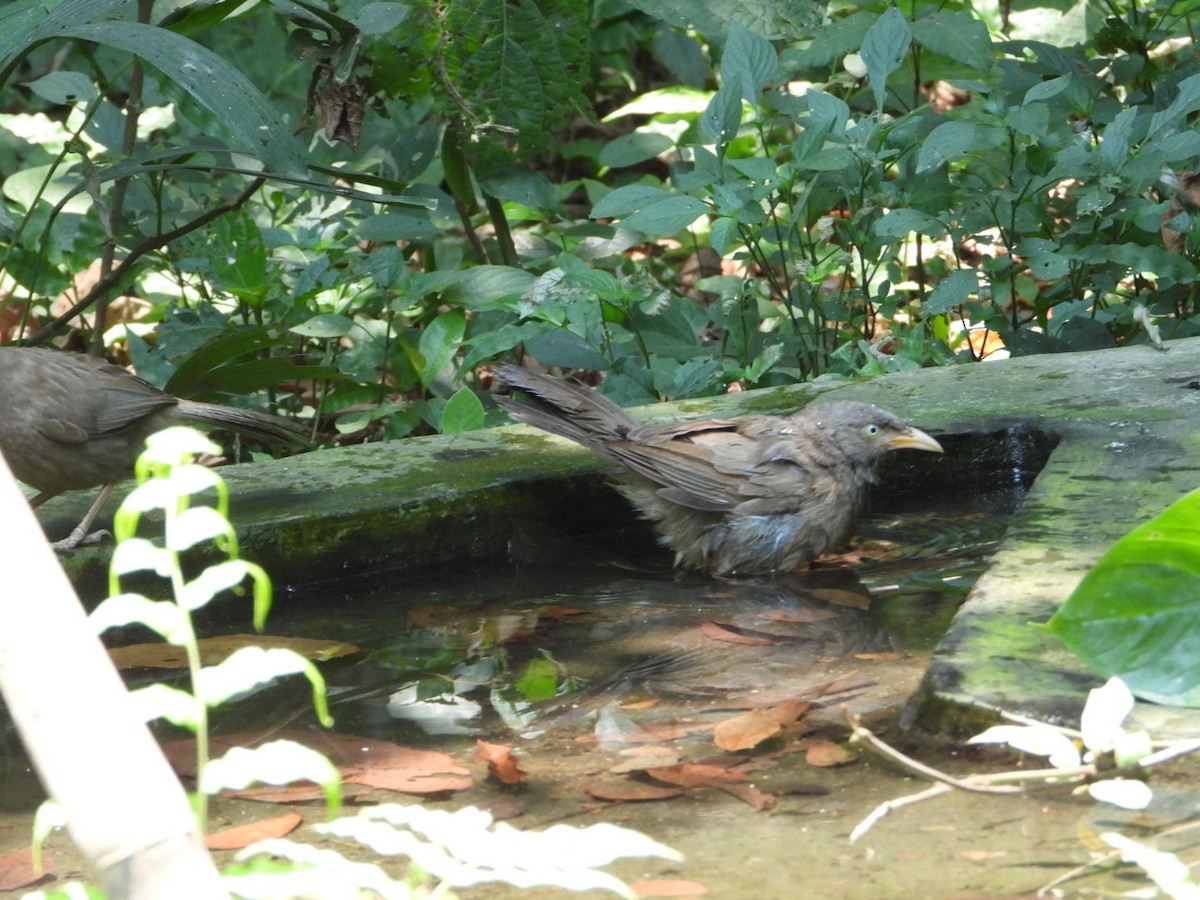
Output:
x=69 y=421
x=748 y=495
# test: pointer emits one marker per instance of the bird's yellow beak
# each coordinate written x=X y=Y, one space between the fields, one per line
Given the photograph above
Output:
x=912 y=439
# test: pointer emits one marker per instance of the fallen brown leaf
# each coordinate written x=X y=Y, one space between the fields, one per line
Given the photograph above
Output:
x=840 y=597
x=669 y=887
x=697 y=775
x=753 y=727
x=750 y=795
x=297 y=792
x=376 y=764
x=245 y=835
x=216 y=649
x=732 y=634
x=629 y=791
x=650 y=734
x=16 y=869
x=823 y=753
x=799 y=616
x=501 y=763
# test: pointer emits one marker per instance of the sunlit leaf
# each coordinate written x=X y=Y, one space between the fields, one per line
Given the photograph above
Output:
x=1040 y=740
x=161 y=701
x=160 y=616
x=277 y=762
x=1134 y=613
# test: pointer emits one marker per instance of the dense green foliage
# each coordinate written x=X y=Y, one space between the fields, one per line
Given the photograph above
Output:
x=352 y=206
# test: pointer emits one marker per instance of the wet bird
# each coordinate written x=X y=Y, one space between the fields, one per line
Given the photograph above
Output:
x=748 y=495
x=69 y=421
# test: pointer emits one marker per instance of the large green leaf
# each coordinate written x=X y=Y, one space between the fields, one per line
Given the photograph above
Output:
x=510 y=72
x=772 y=19
x=212 y=81
x=1137 y=612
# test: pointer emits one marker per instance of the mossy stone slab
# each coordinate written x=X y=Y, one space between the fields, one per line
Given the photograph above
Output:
x=1127 y=433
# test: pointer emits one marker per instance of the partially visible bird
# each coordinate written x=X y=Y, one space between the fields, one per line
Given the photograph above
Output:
x=748 y=495
x=69 y=421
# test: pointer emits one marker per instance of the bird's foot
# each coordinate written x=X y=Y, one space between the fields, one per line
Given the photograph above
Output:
x=78 y=538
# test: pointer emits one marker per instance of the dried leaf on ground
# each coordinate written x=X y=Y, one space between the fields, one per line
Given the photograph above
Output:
x=630 y=791
x=501 y=763
x=800 y=616
x=750 y=795
x=853 y=599
x=245 y=835
x=297 y=792
x=697 y=775
x=657 y=733
x=646 y=756
x=732 y=634
x=669 y=887
x=376 y=764
x=16 y=869
x=753 y=727
x=216 y=649
x=822 y=753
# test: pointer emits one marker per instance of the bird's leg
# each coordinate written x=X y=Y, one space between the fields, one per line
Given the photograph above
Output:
x=80 y=533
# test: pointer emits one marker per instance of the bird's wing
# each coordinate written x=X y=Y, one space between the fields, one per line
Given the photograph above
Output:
x=721 y=465
x=127 y=401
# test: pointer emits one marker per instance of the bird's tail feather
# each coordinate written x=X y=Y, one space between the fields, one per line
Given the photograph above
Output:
x=254 y=424
x=565 y=408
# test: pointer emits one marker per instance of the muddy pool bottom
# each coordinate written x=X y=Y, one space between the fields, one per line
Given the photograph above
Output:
x=615 y=682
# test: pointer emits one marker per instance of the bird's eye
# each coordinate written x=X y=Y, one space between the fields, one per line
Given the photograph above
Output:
x=871 y=430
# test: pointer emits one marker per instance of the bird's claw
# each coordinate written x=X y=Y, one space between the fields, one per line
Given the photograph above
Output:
x=77 y=538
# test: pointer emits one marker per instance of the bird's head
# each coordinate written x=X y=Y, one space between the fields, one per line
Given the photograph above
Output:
x=866 y=432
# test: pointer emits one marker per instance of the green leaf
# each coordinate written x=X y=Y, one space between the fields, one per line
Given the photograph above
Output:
x=838 y=38
x=723 y=116
x=628 y=199
x=1134 y=613
x=248 y=668
x=565 y=348
x=773 y=19
x=957 y=35
x=512 y=72
x=954 y=139
x=215 y=84
x=324 y=326
x=276 y=762
x=482 y=285
x=898 y=224
x=667 y=217
x=883 y=50
x=379 y=18
x=64 y=87
x=161 y=701
x=1187 y=101
x=748 y=62
x=160 y=616
x=1044 y=90
x=631 y=149
x=524 y=186
x=192 y=526
x=212 y=581
x=440 y=341
x=952 y=291
x=670 y=101
x=397 y=226
x=463 y=412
